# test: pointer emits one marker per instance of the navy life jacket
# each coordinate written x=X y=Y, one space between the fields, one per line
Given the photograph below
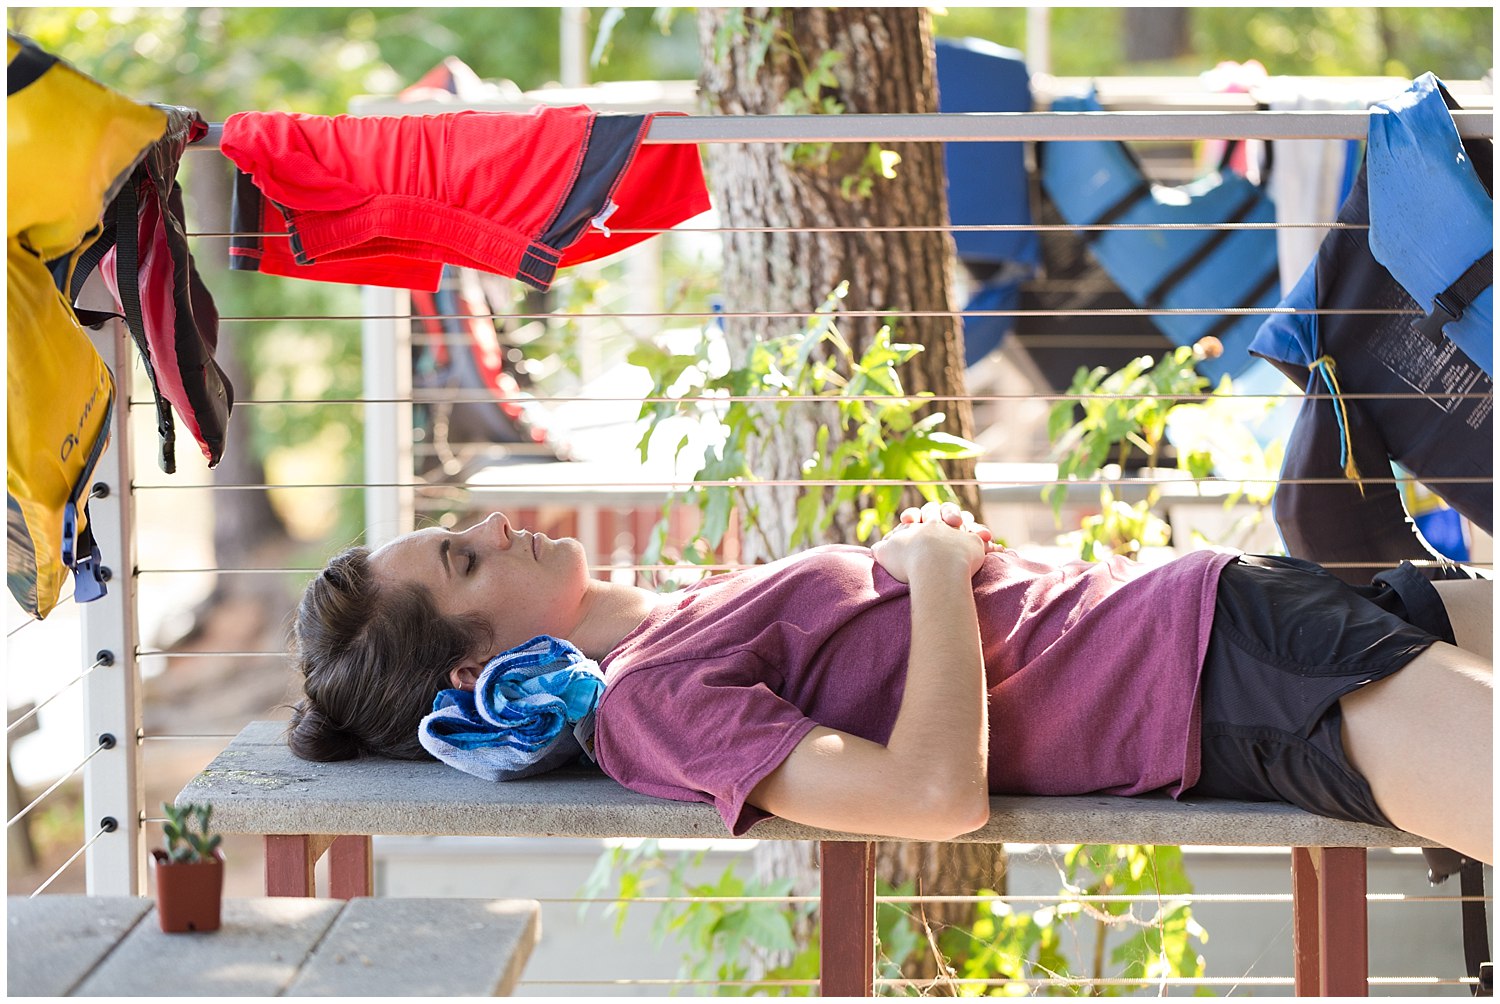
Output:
x=1433 y=415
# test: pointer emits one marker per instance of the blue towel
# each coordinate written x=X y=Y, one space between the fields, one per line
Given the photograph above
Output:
x=532 y=709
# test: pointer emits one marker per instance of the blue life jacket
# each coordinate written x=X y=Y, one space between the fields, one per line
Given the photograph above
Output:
x=988 y=184
x=1096 y=182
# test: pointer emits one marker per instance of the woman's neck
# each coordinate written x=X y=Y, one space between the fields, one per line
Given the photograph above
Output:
x=611 y=610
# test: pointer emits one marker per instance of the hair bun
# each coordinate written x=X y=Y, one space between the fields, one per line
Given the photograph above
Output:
x=312 y=735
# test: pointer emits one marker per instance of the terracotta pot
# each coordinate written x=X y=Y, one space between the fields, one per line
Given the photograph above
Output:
x=188 y=893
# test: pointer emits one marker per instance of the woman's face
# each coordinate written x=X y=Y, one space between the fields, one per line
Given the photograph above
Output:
x=521 y=583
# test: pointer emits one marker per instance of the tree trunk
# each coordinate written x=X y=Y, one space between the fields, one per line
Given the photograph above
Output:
x=1155 y=33
x=886 y=64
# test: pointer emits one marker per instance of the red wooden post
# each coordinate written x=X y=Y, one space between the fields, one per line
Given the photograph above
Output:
x=1305 y=965
x=289 y=863
x=351 y=867
x=847 y=889
x=1343 y=930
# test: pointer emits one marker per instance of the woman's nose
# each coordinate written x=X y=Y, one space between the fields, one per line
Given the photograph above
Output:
x=493 y=527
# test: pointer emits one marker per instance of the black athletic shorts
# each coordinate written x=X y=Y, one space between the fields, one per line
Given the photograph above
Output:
x=1288 y=640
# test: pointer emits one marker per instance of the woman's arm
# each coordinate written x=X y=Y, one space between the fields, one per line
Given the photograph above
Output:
x=929 y=781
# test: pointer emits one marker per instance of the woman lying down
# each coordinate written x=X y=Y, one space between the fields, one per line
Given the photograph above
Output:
x=891 y=690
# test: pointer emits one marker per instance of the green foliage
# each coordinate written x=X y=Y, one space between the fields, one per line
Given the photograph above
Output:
x=882 y=439
x=747 y=939
x=1453 y=42
x=1132 y=409
x=735 y=941
x=1126 y=409
x=184 y=844
x=1007 y=944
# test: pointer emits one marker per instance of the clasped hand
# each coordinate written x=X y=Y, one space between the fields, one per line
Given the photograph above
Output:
x=939 y=535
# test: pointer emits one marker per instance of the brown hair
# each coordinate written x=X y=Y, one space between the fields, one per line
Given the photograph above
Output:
x=372 y=660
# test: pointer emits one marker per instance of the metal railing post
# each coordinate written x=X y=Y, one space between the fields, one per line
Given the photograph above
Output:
x=111 y=695
x=386 y=362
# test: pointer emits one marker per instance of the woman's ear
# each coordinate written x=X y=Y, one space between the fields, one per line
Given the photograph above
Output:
x=464 y=675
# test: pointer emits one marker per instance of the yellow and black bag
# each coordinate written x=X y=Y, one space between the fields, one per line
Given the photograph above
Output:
x=71 y=144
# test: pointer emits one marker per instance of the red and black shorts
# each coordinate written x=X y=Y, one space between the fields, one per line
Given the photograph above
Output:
x=1288 y=640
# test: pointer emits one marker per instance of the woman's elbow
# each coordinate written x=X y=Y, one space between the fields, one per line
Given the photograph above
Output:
x=945 y=812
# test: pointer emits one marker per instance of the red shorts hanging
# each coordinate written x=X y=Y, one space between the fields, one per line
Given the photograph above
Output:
x=387 y=200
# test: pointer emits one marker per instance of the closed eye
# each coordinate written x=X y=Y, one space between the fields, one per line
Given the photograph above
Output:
x=472 y=559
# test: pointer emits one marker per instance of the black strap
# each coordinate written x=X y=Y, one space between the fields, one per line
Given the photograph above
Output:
x=1476 y=932
x=90 y=259
x=27 y=68
x=1449 y=305
x=1119 y=208
x=1168 y=282
x=127 y=280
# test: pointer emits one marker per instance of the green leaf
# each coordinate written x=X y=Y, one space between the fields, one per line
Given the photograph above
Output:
x=718 y=506
x=950 y=446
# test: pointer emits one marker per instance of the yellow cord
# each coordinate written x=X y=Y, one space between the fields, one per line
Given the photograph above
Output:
x=1324 y=364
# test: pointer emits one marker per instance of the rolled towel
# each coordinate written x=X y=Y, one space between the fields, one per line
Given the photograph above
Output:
x=531 y=710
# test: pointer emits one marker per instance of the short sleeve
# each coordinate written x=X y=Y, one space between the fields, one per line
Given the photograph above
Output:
x=698 y=731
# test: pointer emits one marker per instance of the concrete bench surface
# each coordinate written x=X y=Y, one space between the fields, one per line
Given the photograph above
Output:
x=257 y=786
x=91 y=946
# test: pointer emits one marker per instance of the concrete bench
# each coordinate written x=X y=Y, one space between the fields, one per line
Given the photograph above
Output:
x=306 y=809
x=91 y=946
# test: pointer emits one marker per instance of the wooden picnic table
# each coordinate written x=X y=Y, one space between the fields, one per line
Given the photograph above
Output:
x=111 y=946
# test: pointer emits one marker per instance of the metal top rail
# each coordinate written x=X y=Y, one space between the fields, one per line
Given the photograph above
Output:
x=964 y=127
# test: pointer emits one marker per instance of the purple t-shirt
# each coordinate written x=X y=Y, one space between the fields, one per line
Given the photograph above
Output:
x=1092 y=671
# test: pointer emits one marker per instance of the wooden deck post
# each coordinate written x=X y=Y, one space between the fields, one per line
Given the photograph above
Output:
x=1330 y=922
x=847 y=918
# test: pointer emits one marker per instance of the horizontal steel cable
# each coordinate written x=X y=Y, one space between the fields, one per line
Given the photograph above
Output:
x=951 y=228
x=143 y=737
x=893 y=312
x=1229 y=897
x=685 y=566
x=810 y=483
x=1033 y=981
x=60 y=691
x=64 y=866
x=58 y=783
x=433 y=397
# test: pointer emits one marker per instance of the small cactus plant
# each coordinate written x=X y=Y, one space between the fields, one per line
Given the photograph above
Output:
x=183 y=844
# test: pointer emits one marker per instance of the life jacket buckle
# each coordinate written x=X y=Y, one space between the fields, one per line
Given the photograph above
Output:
x=1431 y=326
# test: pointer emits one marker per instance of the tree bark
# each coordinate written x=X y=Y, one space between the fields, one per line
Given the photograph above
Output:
x=886 y=65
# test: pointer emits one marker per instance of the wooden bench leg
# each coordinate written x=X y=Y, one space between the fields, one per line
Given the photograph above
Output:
x=289 y=863
x=1330 y=921
x=351 y=867
x=847 y=919
x=290 y=860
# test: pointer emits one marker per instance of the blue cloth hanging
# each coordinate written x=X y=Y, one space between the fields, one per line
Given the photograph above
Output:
x=1430 y=216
